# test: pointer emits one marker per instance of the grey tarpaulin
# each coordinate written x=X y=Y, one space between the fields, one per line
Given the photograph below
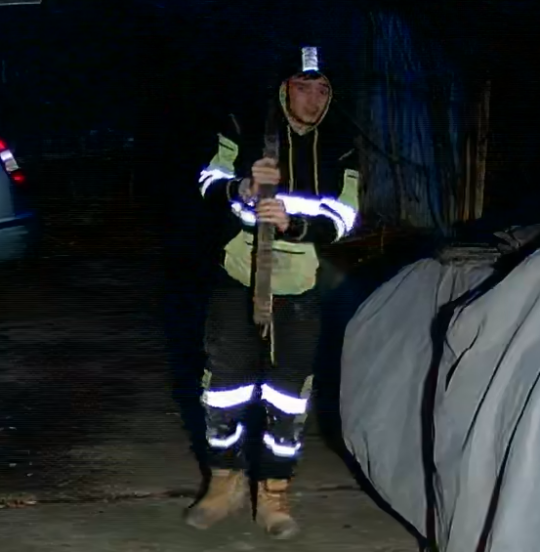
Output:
x=487 y=420
x=387 y=354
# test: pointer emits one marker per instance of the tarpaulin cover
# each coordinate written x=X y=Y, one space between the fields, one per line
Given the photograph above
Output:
x=487 y=419
x=387 y=356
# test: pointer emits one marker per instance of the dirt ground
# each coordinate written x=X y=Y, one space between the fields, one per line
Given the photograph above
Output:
x=92 y=448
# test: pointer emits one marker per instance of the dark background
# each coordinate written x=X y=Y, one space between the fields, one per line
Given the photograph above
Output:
x=168 y=71
x=123 y=99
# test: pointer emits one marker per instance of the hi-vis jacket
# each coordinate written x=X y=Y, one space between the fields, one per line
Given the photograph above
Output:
x=319 y=188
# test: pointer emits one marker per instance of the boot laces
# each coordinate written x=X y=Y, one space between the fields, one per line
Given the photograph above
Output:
x=276 y=500
x=223 y=483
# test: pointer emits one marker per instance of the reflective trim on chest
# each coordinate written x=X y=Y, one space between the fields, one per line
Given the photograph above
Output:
x=295 y=264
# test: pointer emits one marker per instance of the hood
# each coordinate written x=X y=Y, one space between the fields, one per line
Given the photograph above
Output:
x=284 y=102
x=307 y=64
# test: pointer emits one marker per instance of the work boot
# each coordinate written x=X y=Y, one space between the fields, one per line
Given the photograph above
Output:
x=226 y=495
x=273 y=512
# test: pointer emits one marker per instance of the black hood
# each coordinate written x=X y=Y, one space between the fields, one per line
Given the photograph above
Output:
x=284 y=103
x=302 y=61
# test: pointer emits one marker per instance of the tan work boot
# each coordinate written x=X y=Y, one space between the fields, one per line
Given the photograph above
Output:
x=226 y=495
x=273 y=512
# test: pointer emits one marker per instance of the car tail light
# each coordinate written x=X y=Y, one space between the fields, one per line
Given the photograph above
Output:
x=18 y=177
x=10 y=164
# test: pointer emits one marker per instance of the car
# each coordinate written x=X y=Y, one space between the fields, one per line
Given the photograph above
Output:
x=18 y=221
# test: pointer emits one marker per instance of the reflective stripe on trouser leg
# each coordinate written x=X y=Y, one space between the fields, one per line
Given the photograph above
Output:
x=225 y=431
x=283 y=438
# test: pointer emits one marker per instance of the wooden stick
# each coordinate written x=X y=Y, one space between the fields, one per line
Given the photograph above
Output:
x=262 y=294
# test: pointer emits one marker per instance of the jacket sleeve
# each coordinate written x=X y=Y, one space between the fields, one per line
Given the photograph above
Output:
x=329 y=218
x=219 y=181
x=319 y=230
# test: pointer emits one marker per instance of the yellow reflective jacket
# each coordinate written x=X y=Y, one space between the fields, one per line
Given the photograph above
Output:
x=320 y=189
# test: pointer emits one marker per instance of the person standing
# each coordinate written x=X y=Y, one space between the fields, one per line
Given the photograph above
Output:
x=316 y=204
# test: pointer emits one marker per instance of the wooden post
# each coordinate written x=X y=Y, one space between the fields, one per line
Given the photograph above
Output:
x=482 y=148
x=400 y=192
x=364 y=112
x=467 y=172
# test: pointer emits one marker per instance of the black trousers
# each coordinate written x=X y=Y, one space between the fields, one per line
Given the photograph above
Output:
x=238 y=386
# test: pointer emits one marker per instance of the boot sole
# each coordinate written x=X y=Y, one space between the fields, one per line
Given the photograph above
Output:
x=280 y=535
x=234 y=510
x=285 y=535
x=199 y=526
x=205 y=526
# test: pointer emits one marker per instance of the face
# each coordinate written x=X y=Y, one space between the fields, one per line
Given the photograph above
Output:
x=308 y=98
